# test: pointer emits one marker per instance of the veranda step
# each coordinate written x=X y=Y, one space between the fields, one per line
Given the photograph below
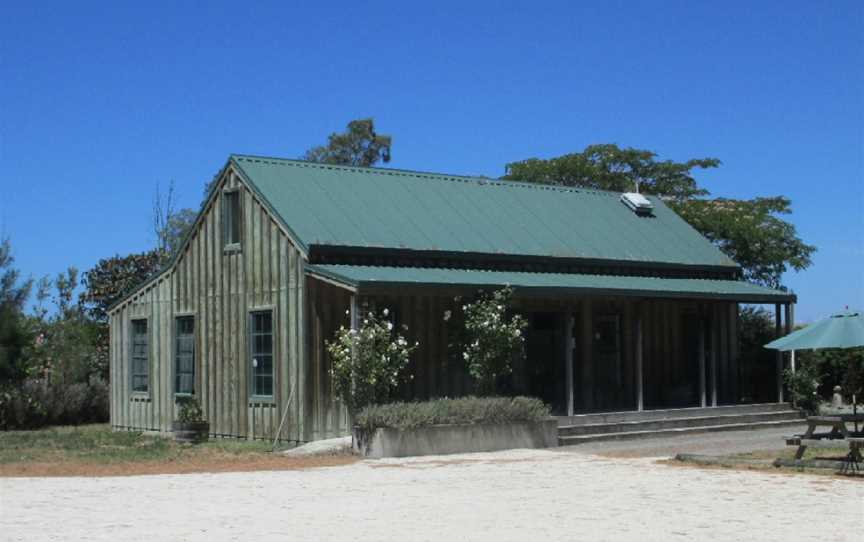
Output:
x=616 y=417
x=673 y=423
x=582 y=439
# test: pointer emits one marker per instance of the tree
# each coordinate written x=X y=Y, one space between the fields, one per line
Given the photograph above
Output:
x=170 y=225
x=608 y=167
x=359 y=145
x=112 y=278
x=749 y=231
x=14 y=336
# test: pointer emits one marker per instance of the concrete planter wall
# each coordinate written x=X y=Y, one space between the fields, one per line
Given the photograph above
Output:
x=454 y=439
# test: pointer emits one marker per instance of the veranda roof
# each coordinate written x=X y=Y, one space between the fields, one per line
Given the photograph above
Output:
x=379 y=279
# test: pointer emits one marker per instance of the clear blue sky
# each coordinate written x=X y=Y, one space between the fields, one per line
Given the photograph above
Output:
x=100 y=102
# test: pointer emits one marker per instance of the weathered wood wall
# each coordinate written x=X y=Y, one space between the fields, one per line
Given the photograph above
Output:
x=219 y=288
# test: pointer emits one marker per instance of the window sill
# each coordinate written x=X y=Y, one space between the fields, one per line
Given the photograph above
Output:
x=140 y=397
x=233 y=248
x=262 y=400
x=183 y=395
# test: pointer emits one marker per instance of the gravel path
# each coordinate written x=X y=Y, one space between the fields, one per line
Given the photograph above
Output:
x=516 y=495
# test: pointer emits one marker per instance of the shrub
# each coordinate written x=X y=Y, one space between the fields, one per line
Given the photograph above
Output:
x=461 y=411
x=37 y=403
x=492 y=338
x=804 y=386
x=368 y=363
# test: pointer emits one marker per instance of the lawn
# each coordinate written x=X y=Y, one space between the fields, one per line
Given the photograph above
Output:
x=764 y=460
x=95 y=450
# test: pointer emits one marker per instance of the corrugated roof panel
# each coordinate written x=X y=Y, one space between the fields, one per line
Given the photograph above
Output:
x=370 y=276
x=372 y=207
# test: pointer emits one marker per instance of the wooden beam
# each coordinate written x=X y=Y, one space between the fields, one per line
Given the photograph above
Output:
x=640 y=398
x=715 y=342
x=791 y=324
x=703 y=399
x=569 y=345
x=779 y=355
x=587 y=346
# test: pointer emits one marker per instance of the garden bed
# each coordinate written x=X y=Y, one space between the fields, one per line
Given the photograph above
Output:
x=448 y=426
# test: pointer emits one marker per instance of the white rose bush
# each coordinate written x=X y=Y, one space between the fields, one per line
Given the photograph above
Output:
x=492 y=338
x=368 y=363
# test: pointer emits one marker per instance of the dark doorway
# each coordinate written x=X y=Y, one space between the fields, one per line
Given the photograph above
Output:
x=544 y=363
x=608 y=378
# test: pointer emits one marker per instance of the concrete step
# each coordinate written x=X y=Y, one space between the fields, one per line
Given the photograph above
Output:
x=676 y=423
x=695 y=412
x=582 y=439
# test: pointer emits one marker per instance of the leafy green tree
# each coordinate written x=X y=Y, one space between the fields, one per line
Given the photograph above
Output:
x=114 y=277
x=14 y=336
x=609 y=167
x=751 y=232
x=359 y=145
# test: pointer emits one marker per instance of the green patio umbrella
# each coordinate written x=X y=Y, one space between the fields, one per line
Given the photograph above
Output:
x=842 y=330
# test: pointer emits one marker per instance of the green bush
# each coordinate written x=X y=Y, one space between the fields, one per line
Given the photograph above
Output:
x=493 y=338
x=36 y=403
x=462 y=411
x=804 y=386
x=367 y=364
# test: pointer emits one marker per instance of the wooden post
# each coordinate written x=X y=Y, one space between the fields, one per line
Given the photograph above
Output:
x=640 y=398
x=703 y=399
x=569 y=345
x=715 y=342
x=587 y=340
x=779 y=355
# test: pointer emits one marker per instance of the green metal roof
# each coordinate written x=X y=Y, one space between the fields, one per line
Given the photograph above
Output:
x=384 y=208
x=371 y=277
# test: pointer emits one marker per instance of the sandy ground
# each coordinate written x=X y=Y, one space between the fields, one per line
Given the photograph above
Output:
x=515 y=495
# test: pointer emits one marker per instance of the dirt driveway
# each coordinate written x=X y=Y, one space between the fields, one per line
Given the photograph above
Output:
x=517 y=495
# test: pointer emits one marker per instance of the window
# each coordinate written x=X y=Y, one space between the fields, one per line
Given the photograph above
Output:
x=231 y=201
x=261 y=350
x=140 y=357
x=184 y=355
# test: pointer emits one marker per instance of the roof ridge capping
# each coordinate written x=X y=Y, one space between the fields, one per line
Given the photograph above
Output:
x=276 y=161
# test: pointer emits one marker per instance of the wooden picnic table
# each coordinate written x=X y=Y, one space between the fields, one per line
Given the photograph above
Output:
x=838 y=431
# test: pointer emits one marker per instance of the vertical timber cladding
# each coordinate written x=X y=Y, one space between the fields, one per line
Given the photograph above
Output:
x=326 y=417
x=218 y=288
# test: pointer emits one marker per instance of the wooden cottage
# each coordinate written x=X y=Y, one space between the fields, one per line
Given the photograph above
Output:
x=629 y=307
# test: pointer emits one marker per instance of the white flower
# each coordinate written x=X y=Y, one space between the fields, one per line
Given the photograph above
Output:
x=464 y=307
x=347 y=313
x=386 y=312
x=389 y=326
x=371 y=315
x=465 y=355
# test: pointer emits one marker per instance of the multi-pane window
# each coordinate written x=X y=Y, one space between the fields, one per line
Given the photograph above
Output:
x=261 y=350
x=140 y=356
x=184 y=355
x=231 y=201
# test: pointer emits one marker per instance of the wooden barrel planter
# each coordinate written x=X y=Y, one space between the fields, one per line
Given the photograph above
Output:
x=191 y=432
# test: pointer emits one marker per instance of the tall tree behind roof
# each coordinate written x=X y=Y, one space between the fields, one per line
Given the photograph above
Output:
x=751 y=232
x=359 y=145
